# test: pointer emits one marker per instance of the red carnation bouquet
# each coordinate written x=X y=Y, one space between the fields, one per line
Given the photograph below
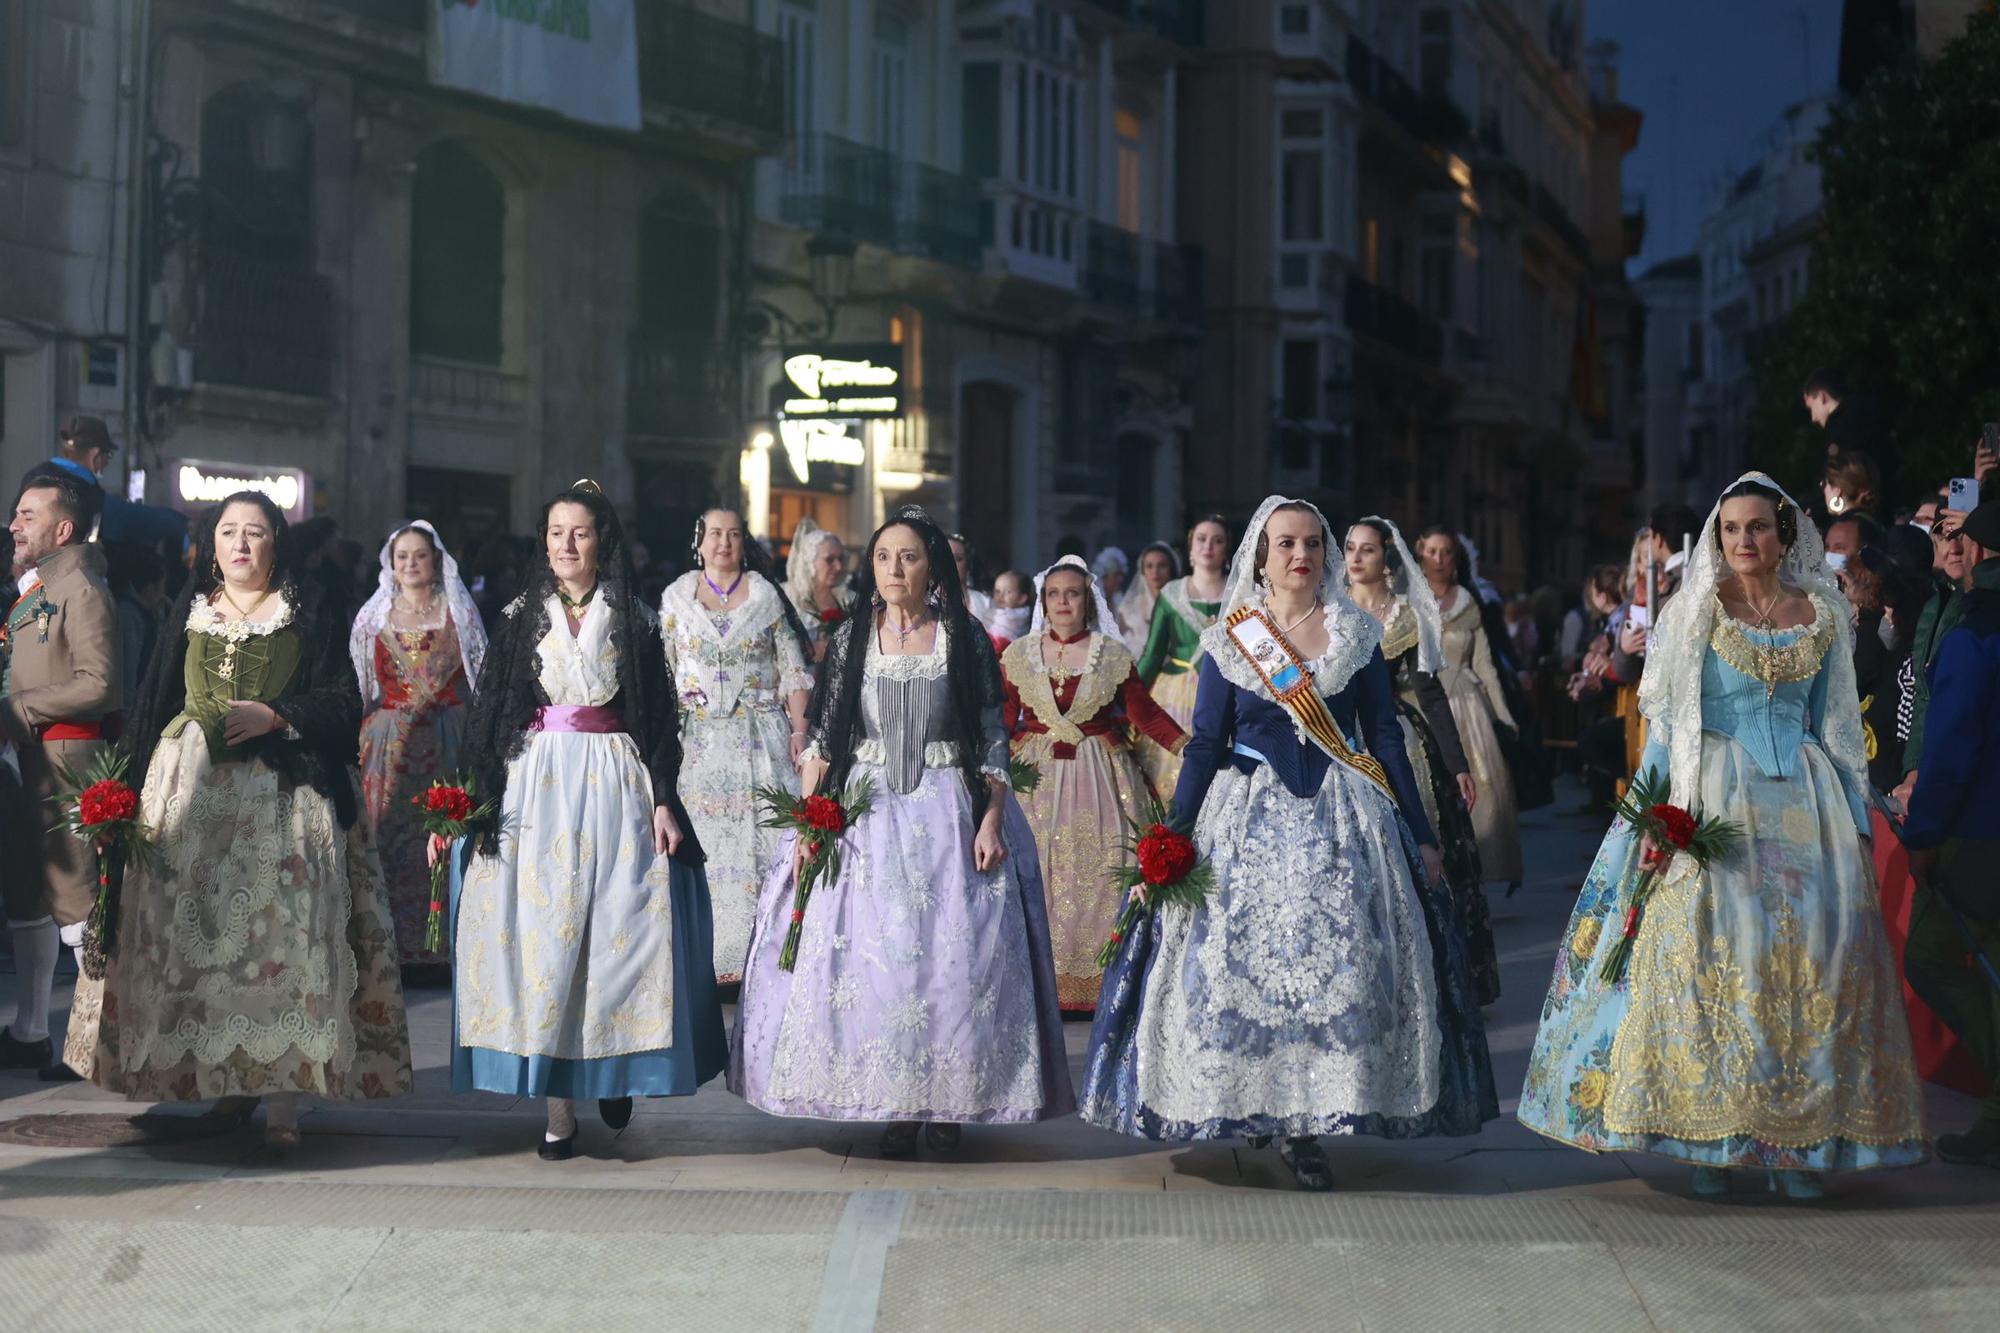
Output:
x=831 y=616
x=1160 y=868
x=1674 y=832
x=820 y=823
x=449 y=810
x=104 y=814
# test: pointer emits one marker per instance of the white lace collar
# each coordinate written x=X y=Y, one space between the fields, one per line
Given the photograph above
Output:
x=760 y=607
x=1177 y=594
x=1352 y=636
x=908 y=666
x=203 y=618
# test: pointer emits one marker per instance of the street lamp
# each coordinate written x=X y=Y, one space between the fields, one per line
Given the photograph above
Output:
x=830 y=255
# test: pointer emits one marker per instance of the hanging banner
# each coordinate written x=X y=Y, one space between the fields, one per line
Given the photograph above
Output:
x=577 y=58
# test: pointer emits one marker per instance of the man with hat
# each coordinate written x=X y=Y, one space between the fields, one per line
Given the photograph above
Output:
x=84 y=452
x=1951 y=834
x=60 y=674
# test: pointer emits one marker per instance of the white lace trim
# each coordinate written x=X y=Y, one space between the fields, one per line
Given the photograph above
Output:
x=760 y=607
x=1409 y=589
x=1352 y=635
x=937 y=754
x=909 y=666
x=203 y=618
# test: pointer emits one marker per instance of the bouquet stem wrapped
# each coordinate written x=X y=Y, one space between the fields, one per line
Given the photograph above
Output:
x=1674 y=832
x=449 y=810
x=104 y=815
x=1162 y=869
x=820 y=823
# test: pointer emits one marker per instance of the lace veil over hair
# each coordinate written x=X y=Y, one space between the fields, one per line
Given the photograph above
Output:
x=1406 y=581
x=1105 y=621
x=1670 y=690
x=1352 y=634
x=375 y=614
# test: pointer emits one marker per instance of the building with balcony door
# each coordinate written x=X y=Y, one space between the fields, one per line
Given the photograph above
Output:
x=432 y=303
x=1424 y=315
x=1002 y=173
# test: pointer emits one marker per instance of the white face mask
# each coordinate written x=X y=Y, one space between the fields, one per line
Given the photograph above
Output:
x=1836 y=560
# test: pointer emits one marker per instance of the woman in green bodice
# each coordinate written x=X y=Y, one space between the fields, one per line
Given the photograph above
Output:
x=256 y=957
x=1186 y=607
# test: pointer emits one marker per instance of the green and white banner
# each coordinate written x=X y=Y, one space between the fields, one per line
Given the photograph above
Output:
x=578 y=58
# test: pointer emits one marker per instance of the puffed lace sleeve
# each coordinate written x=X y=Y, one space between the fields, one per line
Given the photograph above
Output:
x=794 y=676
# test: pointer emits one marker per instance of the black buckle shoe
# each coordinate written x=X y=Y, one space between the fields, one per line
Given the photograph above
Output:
x=1257 y=1141
x=615 y=1112
x=899 y=1140
x=1309 y=1165
x=18 y=1054
x=942 y=1136
x=561 y=1150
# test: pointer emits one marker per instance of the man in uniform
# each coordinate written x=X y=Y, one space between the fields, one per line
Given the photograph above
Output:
x=62 y=693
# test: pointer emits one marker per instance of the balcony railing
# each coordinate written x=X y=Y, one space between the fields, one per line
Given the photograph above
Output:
x=1431 y=117
x=940 y=215
x=461 y=389
x=1377 y=313
x=838 y=185
x=709 y=65
x=676 y=385
x=1111 y=266
x=1177 y=283
x=264 y=326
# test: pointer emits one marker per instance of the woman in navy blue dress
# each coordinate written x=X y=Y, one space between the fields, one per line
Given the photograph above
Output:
x=1324 y=986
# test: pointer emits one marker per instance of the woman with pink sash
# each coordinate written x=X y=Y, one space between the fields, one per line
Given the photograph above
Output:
x=583 y=962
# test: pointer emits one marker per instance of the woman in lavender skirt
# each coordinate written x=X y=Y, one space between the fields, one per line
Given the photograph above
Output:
x=924 y=990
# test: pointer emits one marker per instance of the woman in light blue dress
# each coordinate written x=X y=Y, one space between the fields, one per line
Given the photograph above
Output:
x=1759 y=1024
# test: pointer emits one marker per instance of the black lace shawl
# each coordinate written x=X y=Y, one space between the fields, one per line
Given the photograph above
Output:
x=973 y=667
x=510 y=690
x=322 y=703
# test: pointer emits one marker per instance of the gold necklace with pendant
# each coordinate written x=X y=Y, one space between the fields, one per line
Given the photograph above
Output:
x=226 y=668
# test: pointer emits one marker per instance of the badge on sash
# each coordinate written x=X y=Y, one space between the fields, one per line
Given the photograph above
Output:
x=1292 y=688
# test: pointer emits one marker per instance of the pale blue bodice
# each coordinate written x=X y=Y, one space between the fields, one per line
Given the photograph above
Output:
x=1772 y=722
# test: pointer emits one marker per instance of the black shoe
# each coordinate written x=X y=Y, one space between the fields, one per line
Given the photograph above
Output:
x=1978 y=1146
x=58 y=1072
x=899 y=1140
x=1258 y=1141
x=615 y=1112
x=18 y=1054
x=559 y=1151
x=941 y=1137
x=1309 y=1165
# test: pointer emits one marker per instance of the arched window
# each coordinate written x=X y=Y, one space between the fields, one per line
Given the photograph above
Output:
x=458 y=218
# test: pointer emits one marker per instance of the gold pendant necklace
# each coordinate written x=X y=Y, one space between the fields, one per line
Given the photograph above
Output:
x=226 y=668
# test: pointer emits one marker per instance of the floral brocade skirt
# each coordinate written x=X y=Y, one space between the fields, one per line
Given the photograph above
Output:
x=923 y=988
x=723 y=758
x=1081 y=812
x=402 y=753
x=261 y=960
x=1760 y=1020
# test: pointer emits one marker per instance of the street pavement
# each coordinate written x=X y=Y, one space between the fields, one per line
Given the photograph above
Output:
x=433 y=1213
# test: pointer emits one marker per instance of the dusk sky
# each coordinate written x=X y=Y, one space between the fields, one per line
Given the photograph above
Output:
x=1711 y=76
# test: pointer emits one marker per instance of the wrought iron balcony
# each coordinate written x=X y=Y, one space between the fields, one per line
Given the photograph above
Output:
x=839 y=185
x=940 y=215
x=676 y=386
x=1111 y=266
x=264 y=326
x=1378 y=313
x=709 y=65
x=1431 y=117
